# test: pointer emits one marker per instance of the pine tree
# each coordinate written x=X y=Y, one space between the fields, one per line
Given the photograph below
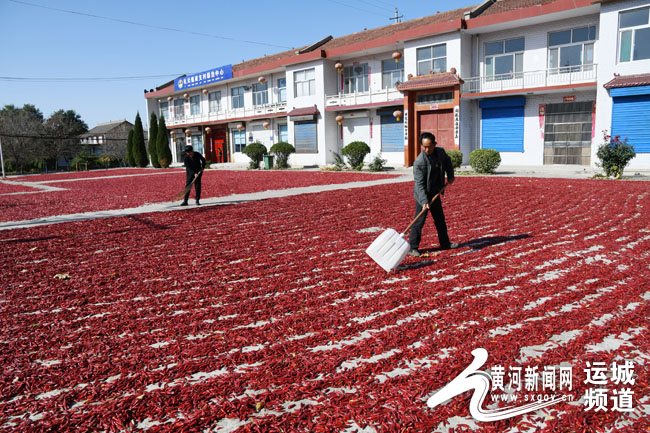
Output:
x=153 y=135
x=162 y=144
x=129 y=150
x=139 y=148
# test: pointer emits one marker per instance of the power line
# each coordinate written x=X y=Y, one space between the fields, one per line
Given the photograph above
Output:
x=149 y=25
x=374 y=5
x=85 y=79
x=386 y=3
x=349 y=6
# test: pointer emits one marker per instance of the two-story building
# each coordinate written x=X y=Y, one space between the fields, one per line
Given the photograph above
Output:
x=533 y=79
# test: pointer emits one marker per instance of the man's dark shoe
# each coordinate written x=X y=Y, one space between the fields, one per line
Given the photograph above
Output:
x=451 y=246
x=197 y=203
x=414 y=252
x=184 y=203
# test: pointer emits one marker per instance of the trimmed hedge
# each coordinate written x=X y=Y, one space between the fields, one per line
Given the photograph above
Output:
x=255 y=151
x=282 y=150
x=484 y=160
x=456 y=157
x=355 y=152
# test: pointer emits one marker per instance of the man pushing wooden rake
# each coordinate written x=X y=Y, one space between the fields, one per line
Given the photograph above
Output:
x=194 y=166
x=429 y=169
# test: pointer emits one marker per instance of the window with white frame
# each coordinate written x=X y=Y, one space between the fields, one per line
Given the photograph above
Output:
x=214 y=102
x=571 y=50
x=634 y=35
x=282 y=90
x=432 y=59
x=239 y=139
x=355 y=78
x=195 y=105
x=260 y=93
x=179 y=108
x=304 y=82
x=391 y=73
x=164 y=110
x=238 y=97
x=504 y=59
x=283 y=133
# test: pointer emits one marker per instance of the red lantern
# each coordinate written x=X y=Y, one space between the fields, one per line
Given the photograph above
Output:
x=188 y=132
x=262 y=80
x=208 y=130
x=266 y=125
x=205 y=91
x=340 y=119
x=169 y=98
x=397 y=55
x=240 y=127
x=338 y=66
x=186 y=96
x=173 y=133
x=398 y=114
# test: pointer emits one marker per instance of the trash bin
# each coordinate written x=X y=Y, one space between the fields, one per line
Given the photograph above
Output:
x=268 y=162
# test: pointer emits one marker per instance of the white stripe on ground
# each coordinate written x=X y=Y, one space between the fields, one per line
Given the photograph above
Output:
x=173 y=206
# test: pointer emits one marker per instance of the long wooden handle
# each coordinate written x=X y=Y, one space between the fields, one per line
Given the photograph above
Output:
x=189 y=188
x=423 y=211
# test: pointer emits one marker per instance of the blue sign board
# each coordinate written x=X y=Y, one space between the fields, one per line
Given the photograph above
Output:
x=202 y=78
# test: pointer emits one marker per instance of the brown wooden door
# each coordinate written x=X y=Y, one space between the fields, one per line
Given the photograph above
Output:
x=441 y=124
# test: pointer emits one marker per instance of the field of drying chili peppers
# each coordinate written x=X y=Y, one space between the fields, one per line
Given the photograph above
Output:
x=268 y=316
x=125 y=188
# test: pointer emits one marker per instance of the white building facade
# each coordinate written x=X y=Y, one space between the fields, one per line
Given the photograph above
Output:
x=530 y=79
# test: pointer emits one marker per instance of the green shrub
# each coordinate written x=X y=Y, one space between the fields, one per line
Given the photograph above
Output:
x=339 y=162
x=377 y=163
x=355 y=152
x=456 y=157
x=255 y=151
x=484 y=160
x=614 y=155
x=282 y=150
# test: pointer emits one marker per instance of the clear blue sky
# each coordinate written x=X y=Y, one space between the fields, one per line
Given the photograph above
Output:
x=45 y=43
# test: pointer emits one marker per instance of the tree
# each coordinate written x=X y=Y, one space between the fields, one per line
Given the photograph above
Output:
x=129 y=149
x=63 y=129
x=139 y=148
x=20 y=128
x=162 y=144
x=153 y=132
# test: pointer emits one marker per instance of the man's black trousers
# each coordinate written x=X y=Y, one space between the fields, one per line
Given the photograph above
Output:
x=197 y=186
x=439 y=220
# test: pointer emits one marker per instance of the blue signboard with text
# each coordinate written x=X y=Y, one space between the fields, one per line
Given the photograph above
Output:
x=202 y=78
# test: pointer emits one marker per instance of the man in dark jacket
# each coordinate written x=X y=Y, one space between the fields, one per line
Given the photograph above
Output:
x=194 y=164
x=429 y=172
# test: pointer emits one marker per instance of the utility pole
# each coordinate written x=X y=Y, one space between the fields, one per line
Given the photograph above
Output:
x=2 y=160
x=397 y=18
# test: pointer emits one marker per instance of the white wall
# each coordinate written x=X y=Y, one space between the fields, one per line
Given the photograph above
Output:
x=453 y=41
x=536 y=41
x=318 y=99
x=608 y=66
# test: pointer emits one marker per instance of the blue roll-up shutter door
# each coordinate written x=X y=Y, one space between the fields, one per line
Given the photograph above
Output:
x=392 y=134
x=503 y=124
x=306 y=140
x=631 y=116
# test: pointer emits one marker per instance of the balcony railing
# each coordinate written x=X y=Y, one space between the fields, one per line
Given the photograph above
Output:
x=218 y=116
x=531 y=79
x=358 y=98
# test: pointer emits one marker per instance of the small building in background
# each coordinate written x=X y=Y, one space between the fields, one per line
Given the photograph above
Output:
x=109 y=139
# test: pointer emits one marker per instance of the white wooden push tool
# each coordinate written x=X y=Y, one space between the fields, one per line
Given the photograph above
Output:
x=390 y=248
